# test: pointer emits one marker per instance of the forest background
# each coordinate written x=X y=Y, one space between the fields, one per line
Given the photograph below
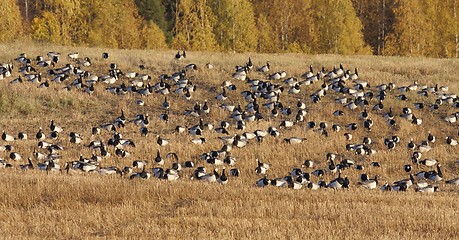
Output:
x=379 y=27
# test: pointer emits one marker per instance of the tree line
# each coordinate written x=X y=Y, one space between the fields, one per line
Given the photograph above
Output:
x=380 y=27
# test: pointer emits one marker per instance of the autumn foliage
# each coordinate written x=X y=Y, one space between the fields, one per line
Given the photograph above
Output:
x=380 y=27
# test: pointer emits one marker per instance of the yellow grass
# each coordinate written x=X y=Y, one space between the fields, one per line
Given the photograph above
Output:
x=57 y=205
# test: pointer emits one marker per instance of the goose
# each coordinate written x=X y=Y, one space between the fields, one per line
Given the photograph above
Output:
x=122 y=153
x=294 y=183
x=5 y=164
x=279 y=182
x=318 y=172
x=38 y=156
x=231 y=161
x=367 y=141
x=375 y=164
x=294 y=140
x=291 y=81
x=423 y=148
x=332 y=74
x=235 y=172
x=52 y=166
x=351 y=105
x=205 y=107
x=399 y=187
x=355 y=75
x=198 y=173
x=416 y=121
x=15 y=156
x=454 y=181
x=240 y=75
x=75 y=139
x=364 y=177
x=139 y=102
x=43 y=144
x=249 y=64
x=109 y=171
x=6 y=137
x=210 y=177
x=411 y=145
x=308 y=74
x=121 y=120
x=198 y=141
x=165 y=105
x=261 y=167
x=277 y=76
x=265 y=68
x=227 y=140
x=69 y=167
x=158 y=159
x=54 y=127
x=405 y=182
x=144 y=175
x=332 y=167
x=44 y=84
x=431 y=138
x=180 y=56
x=338 y=182
x=428 y=162
x=422 y=183
x=307 y=163
x=339 y=71
x=27 y=166
x=451 y=118
x=139 y=164
x=419 y=105
x=348 y=136
x=407 y=168
x=314 y=186
x=171 y=175
x=188 y=164
x=336 y=128
x=370 y=183
x=263 y=182
x=435 y=175
x=338 y=113
x=287 y=111
x=164 y=117
x=73 y=55
x=378 y=107
x=451 y=141
x=427 y=189
x=144 y=122
x=390 y=145
x=222 y=179
x=249 y=135
x=352 y=126
x=300 y=105
x=390 y=115
x=342 y=100
x=22 y=136
x=161 y=141
x=238 y=142
x=273 y=132
x=7 y=148
x=222 y=96
x=158 y=172
x=16 y=80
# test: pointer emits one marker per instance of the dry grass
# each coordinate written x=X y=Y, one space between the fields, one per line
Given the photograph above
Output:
x=34 y=204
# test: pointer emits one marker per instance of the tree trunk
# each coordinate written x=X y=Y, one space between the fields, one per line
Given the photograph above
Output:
x=383 y=26
x=26 y=2
x=456 y=37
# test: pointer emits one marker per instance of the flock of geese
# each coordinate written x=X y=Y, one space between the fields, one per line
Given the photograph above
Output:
x=266 y=98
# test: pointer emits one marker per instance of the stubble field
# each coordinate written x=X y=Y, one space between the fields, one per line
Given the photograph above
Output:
x=58 y=204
